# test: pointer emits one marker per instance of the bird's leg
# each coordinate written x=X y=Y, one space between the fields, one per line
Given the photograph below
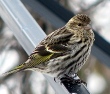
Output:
x=65 y=78
x=75 y=75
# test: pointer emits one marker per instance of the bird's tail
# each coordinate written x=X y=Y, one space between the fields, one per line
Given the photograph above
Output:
x=15 y=70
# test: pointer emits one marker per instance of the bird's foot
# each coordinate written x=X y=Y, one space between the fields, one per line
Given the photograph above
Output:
x=70 y=79
x=79 y=81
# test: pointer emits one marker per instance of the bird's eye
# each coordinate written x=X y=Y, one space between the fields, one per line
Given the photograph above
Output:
x=79 y=24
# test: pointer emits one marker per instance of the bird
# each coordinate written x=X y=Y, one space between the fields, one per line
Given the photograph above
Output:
x=62 y=52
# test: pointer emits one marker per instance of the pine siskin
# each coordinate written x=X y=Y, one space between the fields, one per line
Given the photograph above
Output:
x=64 y=51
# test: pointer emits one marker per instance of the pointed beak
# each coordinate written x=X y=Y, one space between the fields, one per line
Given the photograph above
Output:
x=88 y=27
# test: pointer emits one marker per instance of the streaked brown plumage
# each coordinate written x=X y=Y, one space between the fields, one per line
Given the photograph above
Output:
x=64 y=51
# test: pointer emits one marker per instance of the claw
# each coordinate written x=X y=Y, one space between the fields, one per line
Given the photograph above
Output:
x=57 y=80
x=79 y=81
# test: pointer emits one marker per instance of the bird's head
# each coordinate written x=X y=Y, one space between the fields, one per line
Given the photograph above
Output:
x=79 y=25
x=79 y=22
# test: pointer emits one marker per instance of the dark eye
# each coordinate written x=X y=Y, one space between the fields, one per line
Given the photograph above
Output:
x=79 y=24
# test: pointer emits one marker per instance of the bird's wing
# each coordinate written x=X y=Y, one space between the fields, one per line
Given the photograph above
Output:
x=50 y=46
x=49 y=49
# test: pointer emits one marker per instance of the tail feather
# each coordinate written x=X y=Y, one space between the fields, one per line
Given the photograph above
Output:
x=11 y=72
x=15 y=70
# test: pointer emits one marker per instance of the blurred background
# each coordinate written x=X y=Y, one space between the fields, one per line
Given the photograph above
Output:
x=94 y=72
